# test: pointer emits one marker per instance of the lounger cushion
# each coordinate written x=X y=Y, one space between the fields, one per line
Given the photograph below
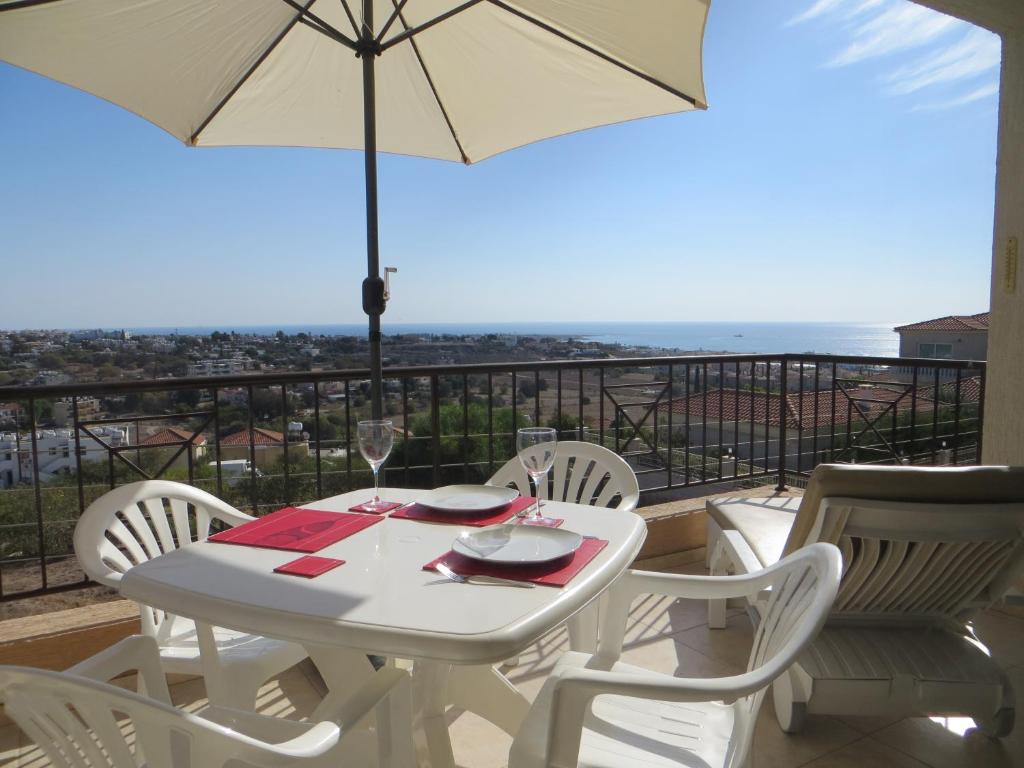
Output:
x=764 y=523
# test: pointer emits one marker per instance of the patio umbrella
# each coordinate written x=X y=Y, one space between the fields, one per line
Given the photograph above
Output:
x=434 y=78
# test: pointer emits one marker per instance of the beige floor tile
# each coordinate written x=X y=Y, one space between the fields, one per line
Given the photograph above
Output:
x=290 y=695
x=730 y=645
x=866 y=724
x=477 y=743
x=865 y=753
x=669 y=615
x=189 y=695
x=939 y=747
x=820 y=735
x=661 y=653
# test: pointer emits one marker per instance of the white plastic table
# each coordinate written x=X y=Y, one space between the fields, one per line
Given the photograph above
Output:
x=383 y=602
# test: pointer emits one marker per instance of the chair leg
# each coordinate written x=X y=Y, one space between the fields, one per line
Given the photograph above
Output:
x=1000 y=725
x=583 y=629
x=395 y=745
x=718 y=566
x=790 y=701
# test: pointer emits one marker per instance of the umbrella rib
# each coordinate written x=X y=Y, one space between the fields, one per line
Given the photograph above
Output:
x=390 y=21
x=256 y=65
x=313 y=21
x=351 y=18
x=600 y=54
x=412 y=31
x=430 y=81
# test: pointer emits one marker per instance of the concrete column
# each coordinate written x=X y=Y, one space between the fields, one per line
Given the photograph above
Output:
x=1004 y=392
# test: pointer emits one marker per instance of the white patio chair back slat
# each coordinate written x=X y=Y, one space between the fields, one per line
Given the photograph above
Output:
x=138 y=518
x=157 y=516
x=140 y=521
x=583 y=473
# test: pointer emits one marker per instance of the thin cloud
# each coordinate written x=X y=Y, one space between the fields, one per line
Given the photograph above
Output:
x=896 y=29
x=922 y=46
x=976 y=53
x=984 y=92
x=819 y=8
x=848 y=9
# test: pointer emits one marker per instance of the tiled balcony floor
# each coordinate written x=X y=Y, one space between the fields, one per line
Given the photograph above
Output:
x=673 y=637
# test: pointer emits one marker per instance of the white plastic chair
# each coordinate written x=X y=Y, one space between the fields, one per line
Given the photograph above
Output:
x=597 y=712
x=140 y=521
x=583 y=473
x=80 y=722
x=924 y=551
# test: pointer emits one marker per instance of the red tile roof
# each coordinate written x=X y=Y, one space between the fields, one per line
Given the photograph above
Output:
x=968 y=323
x=970 y=390
x=259 y=436
x=173 y=436
x=800 y=411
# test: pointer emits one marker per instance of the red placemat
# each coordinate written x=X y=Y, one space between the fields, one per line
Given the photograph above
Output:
x=299 y=530
x=555 y=574
x=309 y=566
x=428 y=515
x=387 y=506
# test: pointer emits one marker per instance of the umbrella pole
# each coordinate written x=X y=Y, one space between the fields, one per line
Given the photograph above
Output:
x=373 y=286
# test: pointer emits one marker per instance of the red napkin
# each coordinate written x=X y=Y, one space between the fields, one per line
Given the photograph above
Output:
x=427 y=515
x=387 y=507
x=309 y=566
x=554 y=574
x=299 y=530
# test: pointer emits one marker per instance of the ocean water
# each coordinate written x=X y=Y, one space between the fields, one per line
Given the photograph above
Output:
x=870 y=339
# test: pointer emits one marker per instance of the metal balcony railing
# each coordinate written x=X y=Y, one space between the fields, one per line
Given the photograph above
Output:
x=679 y=421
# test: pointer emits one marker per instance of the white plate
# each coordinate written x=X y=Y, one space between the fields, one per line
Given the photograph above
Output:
x=468 y=498
x=514 y=544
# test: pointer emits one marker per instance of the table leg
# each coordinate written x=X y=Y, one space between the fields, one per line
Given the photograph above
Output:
x=343 y=671
x=430 y=727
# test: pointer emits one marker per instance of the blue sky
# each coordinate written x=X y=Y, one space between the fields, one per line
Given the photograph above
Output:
x=844 y=171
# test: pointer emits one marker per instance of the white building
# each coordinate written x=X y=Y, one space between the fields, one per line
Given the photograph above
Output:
x=56 y=450
x=227 y=367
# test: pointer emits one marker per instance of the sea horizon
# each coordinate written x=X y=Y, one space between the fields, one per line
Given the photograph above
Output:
x=829 y=337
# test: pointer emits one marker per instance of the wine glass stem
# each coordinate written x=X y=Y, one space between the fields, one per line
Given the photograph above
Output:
x=536 y=484
x=376 y=486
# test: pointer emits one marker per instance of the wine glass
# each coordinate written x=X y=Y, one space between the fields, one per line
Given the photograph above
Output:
x=536 y=447
x=375 y=440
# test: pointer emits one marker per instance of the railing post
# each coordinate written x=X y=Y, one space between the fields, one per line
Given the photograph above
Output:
x=435 y=428
x=783 y=385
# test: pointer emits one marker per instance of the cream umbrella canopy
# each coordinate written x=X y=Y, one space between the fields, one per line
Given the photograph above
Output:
x=434 y=78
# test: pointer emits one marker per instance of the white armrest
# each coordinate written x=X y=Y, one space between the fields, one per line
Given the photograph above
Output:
x=634 y=583
x=232 y=517
x=742 y=556
x=313 y=743
x=137 y=653
x=324 y=735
